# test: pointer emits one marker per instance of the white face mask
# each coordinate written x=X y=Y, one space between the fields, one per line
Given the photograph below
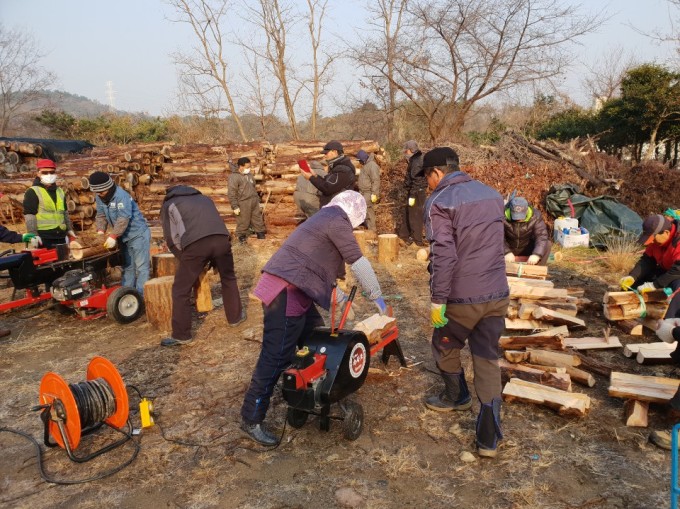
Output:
x=49 y=179
x=246 y=171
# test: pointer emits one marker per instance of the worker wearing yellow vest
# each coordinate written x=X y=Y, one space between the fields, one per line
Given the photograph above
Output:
x=45 y=210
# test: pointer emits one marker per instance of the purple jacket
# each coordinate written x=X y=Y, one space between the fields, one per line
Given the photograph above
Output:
x=311 y=256
x=464 y=224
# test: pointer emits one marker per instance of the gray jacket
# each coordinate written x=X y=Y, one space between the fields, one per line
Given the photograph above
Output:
x=241 y=187
x=369 y=177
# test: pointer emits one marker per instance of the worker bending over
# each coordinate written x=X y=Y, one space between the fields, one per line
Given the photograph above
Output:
x=525 y=233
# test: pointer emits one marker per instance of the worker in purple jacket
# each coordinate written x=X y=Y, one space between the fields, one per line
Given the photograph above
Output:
x=298 y=276
x=468 y=289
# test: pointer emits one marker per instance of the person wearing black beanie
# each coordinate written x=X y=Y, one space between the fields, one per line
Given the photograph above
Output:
x=118 y=211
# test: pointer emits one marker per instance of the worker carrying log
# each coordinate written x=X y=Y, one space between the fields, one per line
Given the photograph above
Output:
x=468 y=289
x=298 y=276
x=45 y=211
x=306 y=195
x=196 y=235
x=659 y=266
x=411 y=225
x=341 y=173
x=117 y=211
x=245 y=202
x=369 y=185
x=525 y=233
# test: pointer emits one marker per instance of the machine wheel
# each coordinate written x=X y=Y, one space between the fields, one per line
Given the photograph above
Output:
x=124 y=305
x=296 y=418
x=64 y=310
x=353 y=422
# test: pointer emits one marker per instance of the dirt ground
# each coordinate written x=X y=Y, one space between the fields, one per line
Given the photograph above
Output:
x=406 y=456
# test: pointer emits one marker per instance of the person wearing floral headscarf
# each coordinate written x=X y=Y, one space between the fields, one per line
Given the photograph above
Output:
x=300 y=275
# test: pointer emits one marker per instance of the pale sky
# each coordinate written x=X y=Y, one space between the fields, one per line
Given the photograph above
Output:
x=129 y=42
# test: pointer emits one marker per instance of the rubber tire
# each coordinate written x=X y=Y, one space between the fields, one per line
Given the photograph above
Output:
x=64 y=310
x=113 y=302
x=353 y=422
x=296 y=418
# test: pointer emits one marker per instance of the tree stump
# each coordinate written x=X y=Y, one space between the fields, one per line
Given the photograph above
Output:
x=203 y=296
x=423 y=254
x=360 y=235
x=388 y=248
x=158 y=302
x=164 y=264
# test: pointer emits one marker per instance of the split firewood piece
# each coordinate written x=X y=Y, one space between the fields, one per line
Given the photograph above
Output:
x=632 y=327
x=540 y=283
x=575 y=291
x=374 y=326
x=562 y=330
x=533 y=292
x=509 y=370
x=655 y=389
x=523 y=270
x=595 y=366
x=580 y=376
x=550 y=358
x=549 y=369
x=621 y=298
x=652 y=310
x=518 y=324
x=549 y=315
x=204 y=302
x=516 y=355
x=566 y=403
x=635 y=413
x=633 y=349
x=550 y=342
x=592 y=343
x=527 y=307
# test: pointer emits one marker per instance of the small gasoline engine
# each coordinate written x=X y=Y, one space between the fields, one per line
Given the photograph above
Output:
x=75 y=284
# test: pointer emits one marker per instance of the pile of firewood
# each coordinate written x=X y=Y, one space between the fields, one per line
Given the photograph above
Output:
x=18 y=157
x=145 y=170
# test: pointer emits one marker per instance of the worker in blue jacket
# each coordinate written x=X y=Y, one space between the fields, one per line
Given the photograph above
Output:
x=116 y=209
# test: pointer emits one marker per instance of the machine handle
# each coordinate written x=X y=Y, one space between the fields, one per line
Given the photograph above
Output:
x=348 y=305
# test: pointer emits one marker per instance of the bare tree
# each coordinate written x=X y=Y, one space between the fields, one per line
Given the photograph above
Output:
x=377 y=53
x=205 y=72
x=275 y=18
x=321 y=64
x=603 y=81
x=22 y=78
x=461 y=52
x=262 y=100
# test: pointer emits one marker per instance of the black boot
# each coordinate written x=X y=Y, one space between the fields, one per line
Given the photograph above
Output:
x=489 y=428
x=242 y=239
x=260 y=235
x=259 y=433
x=455 y=395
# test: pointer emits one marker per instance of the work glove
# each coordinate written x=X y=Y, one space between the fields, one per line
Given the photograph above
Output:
x=626 y=283
x=509 y=257
x=533 y=259
x=26 y=237
x=237 y=211
x=110 y=242
x=380 y=303
x=374 y=198
x=664 y=329
x=411 y=202
x=71 y=235
x=646 y=287
x=437 y=314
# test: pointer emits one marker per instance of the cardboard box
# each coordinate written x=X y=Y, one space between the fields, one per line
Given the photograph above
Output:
x=572 y=240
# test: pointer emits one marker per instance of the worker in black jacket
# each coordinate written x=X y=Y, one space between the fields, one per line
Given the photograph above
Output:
x=341 y=173
x=10 y=237
x=525 y=233
x=411 y=227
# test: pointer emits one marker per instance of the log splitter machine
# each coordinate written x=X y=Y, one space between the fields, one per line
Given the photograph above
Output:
x=331 y=364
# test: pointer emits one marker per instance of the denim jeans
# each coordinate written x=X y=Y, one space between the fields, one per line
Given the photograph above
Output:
x=136 y=261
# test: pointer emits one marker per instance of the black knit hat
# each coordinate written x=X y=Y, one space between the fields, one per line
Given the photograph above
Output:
x=440 y=156
x=242 y=161
x=100 y=182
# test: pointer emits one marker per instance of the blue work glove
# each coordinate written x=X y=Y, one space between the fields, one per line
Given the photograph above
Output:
x=437 y=315
x=382 y=307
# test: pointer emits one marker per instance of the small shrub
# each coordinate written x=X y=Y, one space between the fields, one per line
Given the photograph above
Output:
x=622 y=252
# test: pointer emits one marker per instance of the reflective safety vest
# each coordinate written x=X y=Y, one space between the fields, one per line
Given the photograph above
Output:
x=50 y=216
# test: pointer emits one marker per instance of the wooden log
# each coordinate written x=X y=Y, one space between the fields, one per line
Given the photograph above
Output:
x=648 y=355
x=549 y=369
x=516 y=356
x=533 y=292
x=562 y=330
x=204 y=302
x=164 y=264
x=551 y=316
x=643 y=388
x=632 y=327
x=566 y=403
x=653 y=310
x=594 y=365
x=518 y=324
x=158 y=302
x=423 y=254
x=635 y=413
x=550 y=358
x=360 y=235
x=580 y=376
x=523 y=270
x=79 y=252
x=592 y=343
x=374 y=326
x=633 y=297
x=550 y=342
x=632 y=349
x=388 y=248
x=526 y=310
x=539 y=283
x=557 y=380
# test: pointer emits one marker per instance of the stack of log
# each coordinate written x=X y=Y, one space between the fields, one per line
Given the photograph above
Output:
x=18 y=157
x=145 y=170
x=640 y=391
x=631 y=311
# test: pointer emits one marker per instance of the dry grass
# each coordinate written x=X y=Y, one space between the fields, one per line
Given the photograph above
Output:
x=622 y=252
x=404 y=461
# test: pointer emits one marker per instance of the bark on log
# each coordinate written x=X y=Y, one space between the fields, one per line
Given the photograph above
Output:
x=164 y=264
x=550 y=358
x=550 y=342
x=158 y=302
x=557 y=380
x=388 y=248
x=203 y=296
x=79 y=252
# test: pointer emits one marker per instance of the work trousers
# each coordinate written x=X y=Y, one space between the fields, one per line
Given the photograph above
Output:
x=481 y=325
x=308 y=203
x=370 y=212
x=280 y=338
x=251 y=215
x=412 y=220
x=192 y=260
x=136 y=261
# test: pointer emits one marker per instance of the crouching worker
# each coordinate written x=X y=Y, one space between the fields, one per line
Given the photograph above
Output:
x=525 y=233
x=299 y=276
x=469 y=289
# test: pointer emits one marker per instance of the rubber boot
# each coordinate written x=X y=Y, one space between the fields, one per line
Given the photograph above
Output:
x=455 y=395
x=242 y=239
x=260 y=235
x=489 y=428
